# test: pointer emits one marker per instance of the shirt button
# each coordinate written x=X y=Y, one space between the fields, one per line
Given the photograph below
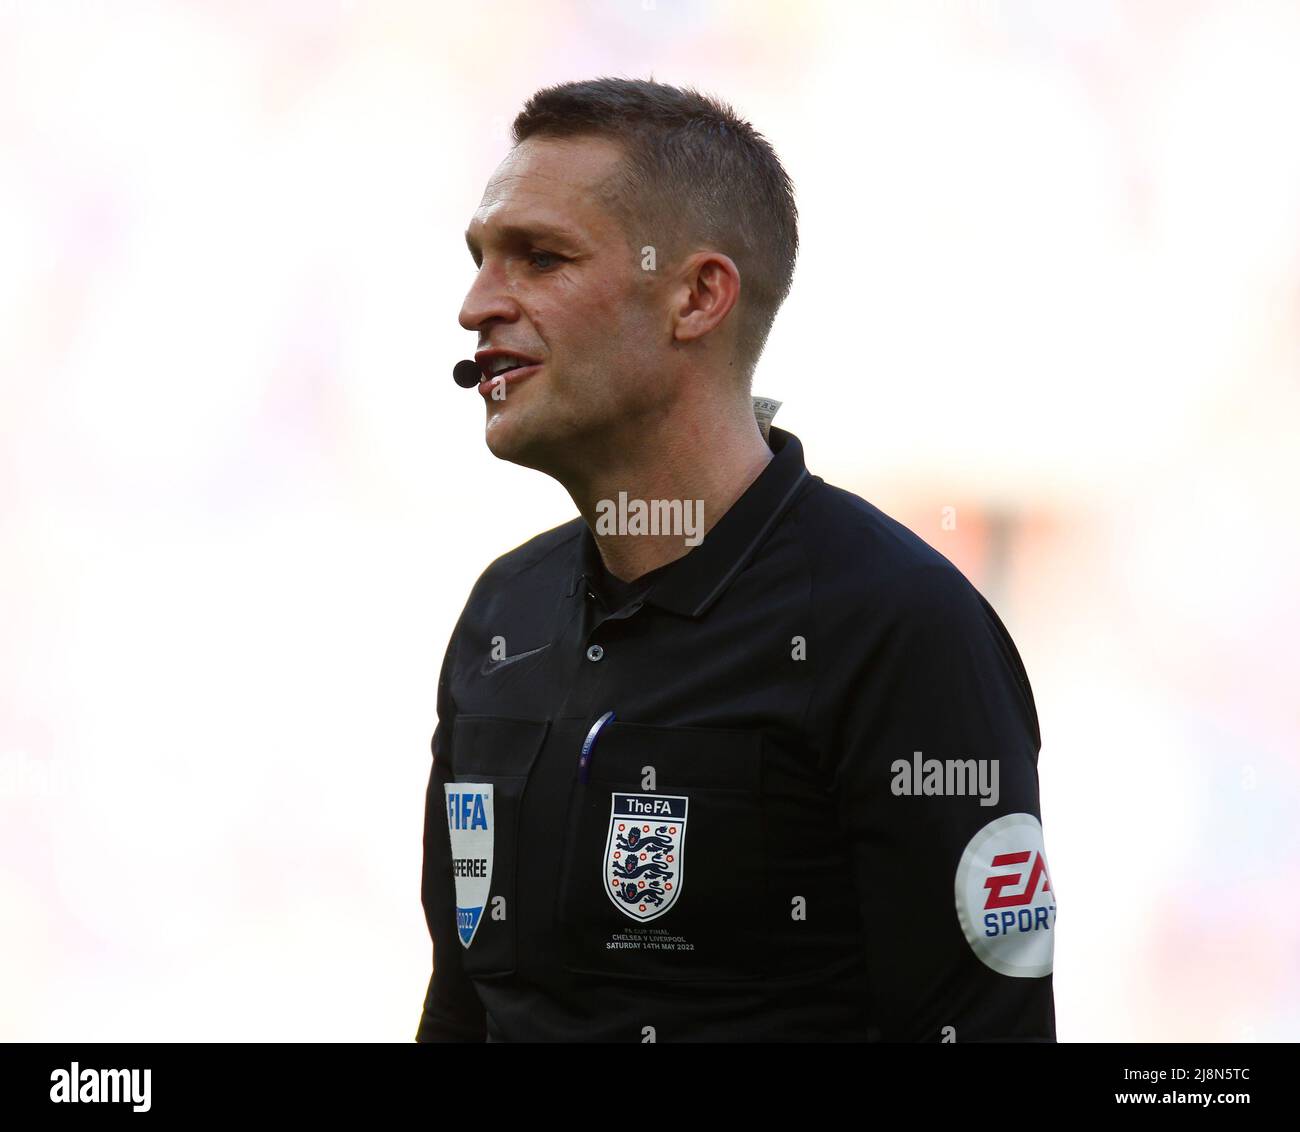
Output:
x=595 y=652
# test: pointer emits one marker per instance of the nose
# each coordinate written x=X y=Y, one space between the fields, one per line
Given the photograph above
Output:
x=488 y=298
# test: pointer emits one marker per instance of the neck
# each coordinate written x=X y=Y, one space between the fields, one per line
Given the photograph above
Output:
x=702 y=461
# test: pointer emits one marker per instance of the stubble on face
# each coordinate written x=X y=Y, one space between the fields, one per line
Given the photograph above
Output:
x=591 y=315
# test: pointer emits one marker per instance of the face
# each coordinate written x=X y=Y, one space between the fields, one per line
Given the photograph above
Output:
x=559 y=283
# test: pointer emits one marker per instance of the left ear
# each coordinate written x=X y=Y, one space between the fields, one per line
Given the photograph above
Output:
x=708 y=287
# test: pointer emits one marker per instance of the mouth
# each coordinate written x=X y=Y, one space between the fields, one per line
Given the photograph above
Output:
x=506 y=378
x=503 y=367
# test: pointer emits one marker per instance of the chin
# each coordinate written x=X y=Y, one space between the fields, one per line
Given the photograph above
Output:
x=506 y=440
x=499 y=443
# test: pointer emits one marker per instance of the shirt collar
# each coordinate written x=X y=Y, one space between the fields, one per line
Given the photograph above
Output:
x=697 y=579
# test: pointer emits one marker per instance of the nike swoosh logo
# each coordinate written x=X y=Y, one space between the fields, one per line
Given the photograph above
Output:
x=490 y=666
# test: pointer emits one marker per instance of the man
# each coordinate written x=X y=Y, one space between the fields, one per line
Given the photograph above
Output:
x=775 y=783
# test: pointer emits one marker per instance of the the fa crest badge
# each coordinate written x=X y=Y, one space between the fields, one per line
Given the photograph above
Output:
x=644 y=853
x=472 y=826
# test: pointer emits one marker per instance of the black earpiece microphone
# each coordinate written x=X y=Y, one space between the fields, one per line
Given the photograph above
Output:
x=467 y=374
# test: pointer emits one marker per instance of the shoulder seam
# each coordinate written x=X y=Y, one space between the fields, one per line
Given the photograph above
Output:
x=811 y=735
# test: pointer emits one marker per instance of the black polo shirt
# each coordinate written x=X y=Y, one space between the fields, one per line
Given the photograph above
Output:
x=813 y=814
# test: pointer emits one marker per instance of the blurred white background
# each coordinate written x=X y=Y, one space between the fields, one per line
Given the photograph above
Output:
x=242 y=503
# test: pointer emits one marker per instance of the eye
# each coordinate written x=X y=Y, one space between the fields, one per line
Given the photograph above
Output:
x=533 y=256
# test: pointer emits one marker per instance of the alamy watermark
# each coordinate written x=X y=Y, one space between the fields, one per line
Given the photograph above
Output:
x=958 y=777
x=100 y=1086
x=684 y=517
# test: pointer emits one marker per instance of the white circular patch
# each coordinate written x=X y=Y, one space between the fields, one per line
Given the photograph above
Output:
x=1005 y=902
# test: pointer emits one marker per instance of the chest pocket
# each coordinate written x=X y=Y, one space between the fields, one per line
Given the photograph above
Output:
x=491 y=760
x=664 y=872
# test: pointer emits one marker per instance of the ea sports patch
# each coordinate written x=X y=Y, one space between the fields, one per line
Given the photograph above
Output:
x=471 y=823
x=1005 y=902
x=644 y=853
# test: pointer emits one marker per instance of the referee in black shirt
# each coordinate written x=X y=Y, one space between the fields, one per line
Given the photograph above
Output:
x=732 y=756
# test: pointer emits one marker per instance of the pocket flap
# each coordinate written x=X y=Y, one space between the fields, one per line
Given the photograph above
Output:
x=698 y=758
x=491 y=745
